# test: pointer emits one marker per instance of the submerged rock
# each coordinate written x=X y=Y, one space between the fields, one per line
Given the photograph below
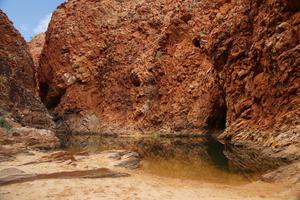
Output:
x=123 y=158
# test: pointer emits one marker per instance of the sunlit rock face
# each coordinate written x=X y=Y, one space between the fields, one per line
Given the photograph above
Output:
x=132 y=65
x=36 y=45
x=18 y=98
x=179 y=66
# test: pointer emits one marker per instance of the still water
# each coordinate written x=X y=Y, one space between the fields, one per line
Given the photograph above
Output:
x=199 y=159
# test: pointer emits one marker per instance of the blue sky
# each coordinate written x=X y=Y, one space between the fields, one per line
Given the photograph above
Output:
x=29 y=16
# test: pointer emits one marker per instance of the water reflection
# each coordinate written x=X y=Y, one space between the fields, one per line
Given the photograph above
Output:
x=199 y=158
x=194 y=170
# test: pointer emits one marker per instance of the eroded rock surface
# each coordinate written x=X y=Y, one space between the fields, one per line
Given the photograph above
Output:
x=35 y=138
x=24 y=120
x=36 y=45
x=255 y=49
x=58 y=165
x=131 y=65
x=18 y=99
x=183 y=66
x=18 y=176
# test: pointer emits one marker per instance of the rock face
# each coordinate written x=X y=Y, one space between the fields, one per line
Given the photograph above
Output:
x=22 y=114
x=17 y=80
x=131 y=65
x=183 y=66
x=36 y=45
x=255 y=50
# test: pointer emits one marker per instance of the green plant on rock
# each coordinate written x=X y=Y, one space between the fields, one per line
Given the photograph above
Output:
x=4 y=124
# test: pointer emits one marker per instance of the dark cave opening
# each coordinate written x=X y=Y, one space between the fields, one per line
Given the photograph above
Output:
x=216 y=124
x=186 y=18
x=217 y=120
x=197 y=42
x=43 y=91
x=294 y=5
x=135 y=80
x=222 y=60
x=53 y=101
x=50 y=101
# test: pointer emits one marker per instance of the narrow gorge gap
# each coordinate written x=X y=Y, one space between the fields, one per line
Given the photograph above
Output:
x=43 y=91
x=196 y=42
x=216 y=124
x=50 y=101
x=217 y=119
x=53 y=101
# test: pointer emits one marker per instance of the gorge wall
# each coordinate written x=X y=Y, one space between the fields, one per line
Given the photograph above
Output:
x=24 y=120
x=185 y=66
x=132 y=65
x=18 y=97
x=36 y=45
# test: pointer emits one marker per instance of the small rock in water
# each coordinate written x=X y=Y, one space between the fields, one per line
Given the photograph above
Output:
x=123 y=158
x=130 y=160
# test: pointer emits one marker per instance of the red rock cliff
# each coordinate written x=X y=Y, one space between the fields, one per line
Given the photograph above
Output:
x=131 y=64
x=178 y=66
x=255 y=49
x=17 y=82
x=36 y=45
